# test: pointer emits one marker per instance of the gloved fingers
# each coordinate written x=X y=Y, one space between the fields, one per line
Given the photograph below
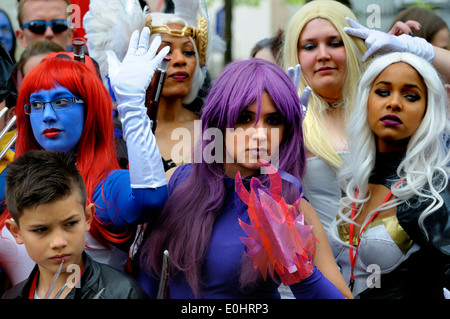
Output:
x=370 y=51
x=360 y=33
x=113 y=63
x=154 y=46
x=143 y=42
x=161 y=55
x=356 y=29
x=132 y=46
x=373 y=46
x=305 y=96
x=295 y=74
x=366 y=56
x=354 y=24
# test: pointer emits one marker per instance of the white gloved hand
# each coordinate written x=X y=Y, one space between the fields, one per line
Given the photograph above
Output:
x=130 y=80
x=131 y=77
x=295 y=74
x=379 y=42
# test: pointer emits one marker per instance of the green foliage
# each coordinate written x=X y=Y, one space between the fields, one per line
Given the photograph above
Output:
x=423 y=4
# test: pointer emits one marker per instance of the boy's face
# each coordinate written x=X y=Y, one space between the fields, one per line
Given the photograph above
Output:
x=54 y=232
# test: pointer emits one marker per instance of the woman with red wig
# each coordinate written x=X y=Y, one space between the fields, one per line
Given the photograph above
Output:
x=65 y=107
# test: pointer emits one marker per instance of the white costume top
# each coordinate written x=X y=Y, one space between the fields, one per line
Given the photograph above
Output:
x=383 y=247
x=321 y=189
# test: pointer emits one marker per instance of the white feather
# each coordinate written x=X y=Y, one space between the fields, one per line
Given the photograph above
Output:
x=109 y=25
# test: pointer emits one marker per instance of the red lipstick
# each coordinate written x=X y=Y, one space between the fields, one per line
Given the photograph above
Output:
x=51 y=132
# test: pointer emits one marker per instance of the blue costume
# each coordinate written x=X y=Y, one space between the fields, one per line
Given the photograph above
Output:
x=221 y=266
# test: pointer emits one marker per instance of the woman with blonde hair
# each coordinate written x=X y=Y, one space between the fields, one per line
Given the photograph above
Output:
x=331 y=65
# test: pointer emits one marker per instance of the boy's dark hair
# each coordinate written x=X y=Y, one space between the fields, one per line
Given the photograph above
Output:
x=38 y=177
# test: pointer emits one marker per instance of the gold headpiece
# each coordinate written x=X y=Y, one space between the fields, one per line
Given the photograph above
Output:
x=199 y=34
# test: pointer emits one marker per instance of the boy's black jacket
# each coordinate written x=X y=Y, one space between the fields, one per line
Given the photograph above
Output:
x=95 y=276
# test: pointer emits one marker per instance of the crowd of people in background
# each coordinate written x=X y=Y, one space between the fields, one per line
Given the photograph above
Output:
x=338 y=134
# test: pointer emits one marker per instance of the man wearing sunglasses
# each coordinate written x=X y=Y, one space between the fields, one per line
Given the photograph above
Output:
x=44 y=19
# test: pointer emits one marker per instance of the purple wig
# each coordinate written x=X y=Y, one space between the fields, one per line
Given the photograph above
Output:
x=186 y=223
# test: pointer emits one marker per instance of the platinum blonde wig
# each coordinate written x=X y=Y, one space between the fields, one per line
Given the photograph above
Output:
x=317 y=138
x=423 y=171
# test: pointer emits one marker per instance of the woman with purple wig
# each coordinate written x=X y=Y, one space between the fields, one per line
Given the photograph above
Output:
x=199 y=225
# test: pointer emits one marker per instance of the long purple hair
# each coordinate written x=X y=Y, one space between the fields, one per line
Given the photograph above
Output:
x=186 y=222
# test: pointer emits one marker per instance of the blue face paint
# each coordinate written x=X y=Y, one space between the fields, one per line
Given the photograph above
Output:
x=6 y=32
x=57 y=130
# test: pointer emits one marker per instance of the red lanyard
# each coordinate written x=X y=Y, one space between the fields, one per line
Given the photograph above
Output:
x=33 y=283
x=350 y=236
x=33 y=286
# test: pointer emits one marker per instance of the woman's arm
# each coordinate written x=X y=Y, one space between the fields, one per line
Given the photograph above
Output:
x=441 y=62
x=130 y=197
x=323 y=258
x=118 y=204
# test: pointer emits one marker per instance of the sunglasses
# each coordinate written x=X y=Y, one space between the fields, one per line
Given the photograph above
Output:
x=39 y=26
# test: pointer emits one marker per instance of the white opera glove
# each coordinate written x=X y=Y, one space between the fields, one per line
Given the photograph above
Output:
x=295 y=74
x=129 y=81
x=379 y=42
x=131 y=77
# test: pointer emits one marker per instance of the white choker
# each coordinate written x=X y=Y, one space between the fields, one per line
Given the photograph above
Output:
x=336 y=105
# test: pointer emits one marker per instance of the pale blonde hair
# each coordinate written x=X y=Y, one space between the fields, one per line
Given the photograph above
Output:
x=317 y=139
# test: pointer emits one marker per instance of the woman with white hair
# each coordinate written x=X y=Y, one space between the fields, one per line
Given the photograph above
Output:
x=393 y=228
x=187 y=32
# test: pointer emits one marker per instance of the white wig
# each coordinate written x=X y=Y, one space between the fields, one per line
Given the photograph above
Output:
x=423 y=171
x=159 y=19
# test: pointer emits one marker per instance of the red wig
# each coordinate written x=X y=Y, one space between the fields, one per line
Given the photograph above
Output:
x=96 y=154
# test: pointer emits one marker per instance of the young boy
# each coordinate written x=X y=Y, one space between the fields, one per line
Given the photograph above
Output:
x=46 y=197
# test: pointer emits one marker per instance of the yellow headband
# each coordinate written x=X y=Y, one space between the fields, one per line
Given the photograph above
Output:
x=200 y=34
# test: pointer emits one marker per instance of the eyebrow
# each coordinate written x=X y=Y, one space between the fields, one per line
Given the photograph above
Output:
x=168 y=42
x=331 y=37
x=34 y=226
x=406 y=85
